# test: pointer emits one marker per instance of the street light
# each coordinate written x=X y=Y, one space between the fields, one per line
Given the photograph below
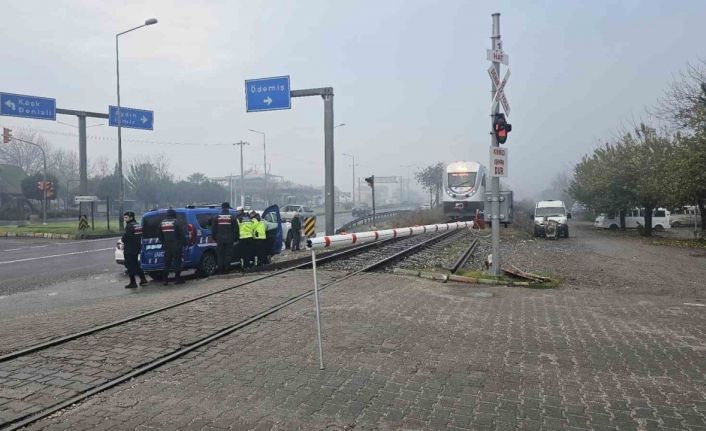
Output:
x=264 y=151
x=149 y=21
x=353 y=179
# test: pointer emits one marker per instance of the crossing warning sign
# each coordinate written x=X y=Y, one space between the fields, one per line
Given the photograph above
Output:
x=310 y=227
x=83 y=222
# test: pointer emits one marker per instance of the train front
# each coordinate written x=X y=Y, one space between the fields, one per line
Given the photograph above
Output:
x=464 y=187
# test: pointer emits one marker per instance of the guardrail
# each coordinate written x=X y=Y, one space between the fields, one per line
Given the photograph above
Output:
x=369 y=219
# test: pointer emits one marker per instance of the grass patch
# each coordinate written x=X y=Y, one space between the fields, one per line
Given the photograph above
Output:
x=70 y=228
x=682 y=243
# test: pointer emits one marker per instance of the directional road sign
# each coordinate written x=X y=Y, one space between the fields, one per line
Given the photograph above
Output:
x=500 y=88
x=79 y=199
x=131 y=118
x=20 y=105
x=267 y=94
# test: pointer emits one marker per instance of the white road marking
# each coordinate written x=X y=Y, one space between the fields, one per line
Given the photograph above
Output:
x=61 y=243
x=54 y=255
x=695 y=305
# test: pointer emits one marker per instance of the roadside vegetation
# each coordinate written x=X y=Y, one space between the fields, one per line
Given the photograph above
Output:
x=69 y=228
x=651 y=166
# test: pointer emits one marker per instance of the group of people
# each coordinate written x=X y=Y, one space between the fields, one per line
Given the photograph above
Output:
x=242 y=233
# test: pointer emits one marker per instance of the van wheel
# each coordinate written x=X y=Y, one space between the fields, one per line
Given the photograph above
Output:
x=208 y=265
x=613 y=227
x=566 y=232
x=155 y=275
x=659 y=228
x=676 y=224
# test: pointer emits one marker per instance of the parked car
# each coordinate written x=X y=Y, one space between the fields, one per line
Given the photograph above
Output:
x=287 y=213
x=361 y=211
x=200 y=249
x=119 y=254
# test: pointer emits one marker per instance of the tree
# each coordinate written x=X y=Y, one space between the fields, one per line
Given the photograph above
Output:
x=683 y=107
x=26 y=156
x=431 y=179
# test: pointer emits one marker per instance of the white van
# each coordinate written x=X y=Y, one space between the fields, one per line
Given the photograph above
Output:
x=551 y=210
x=634 y=218
x=688 y=215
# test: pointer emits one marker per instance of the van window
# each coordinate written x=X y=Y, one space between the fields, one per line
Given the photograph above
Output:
x=150 y=224
x=204 y=220
x=659 y=213
x=306 y=210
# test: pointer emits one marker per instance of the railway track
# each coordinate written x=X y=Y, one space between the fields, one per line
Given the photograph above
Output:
x=74 y=367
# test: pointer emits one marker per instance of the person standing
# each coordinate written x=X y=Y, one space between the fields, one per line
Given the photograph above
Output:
x=296 y=229
x=259 y=239
x=172 y=236
x=132 y=242
x=245 y=244
x=225 y=230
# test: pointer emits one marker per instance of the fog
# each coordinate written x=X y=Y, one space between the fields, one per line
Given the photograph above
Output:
x=410 y=79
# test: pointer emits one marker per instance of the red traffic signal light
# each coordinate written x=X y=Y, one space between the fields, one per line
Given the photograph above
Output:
x=370 y=180
x=50 y=189
x=6 y=135
x=501 y=127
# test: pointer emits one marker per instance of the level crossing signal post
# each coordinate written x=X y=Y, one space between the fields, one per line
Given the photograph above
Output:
x=371 y=182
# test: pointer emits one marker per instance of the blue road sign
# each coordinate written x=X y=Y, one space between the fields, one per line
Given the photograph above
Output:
x=267 y=94
x=132 y=118
x=20 y=105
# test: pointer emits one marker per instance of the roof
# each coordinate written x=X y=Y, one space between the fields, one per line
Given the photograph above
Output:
x=550 y=204
x=11 y=177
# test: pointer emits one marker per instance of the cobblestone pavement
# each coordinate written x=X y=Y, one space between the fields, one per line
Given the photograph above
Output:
x=39 y=380
x=412 y=354
x=620 y=346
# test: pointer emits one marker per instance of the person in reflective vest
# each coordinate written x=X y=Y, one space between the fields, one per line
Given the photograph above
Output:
x=225 y=230
x=245 y=244
x=260 y=239
x=172 y=235
x=132 y=242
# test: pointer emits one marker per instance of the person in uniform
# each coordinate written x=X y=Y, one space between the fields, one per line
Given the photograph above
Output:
x=225 y=230
x=132 y=242
x=172 y=235
x=245 y=244
x=259 y=239
x=296 y=229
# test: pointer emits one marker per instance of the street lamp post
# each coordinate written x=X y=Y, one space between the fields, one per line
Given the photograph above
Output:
x=264 y=152
x=352 y=179
x=120 y=118
x=242 y=175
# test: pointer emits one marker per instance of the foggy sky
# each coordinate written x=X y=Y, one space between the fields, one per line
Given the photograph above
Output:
x=410 y=78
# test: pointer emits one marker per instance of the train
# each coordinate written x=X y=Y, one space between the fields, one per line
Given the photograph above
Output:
x=464 y=189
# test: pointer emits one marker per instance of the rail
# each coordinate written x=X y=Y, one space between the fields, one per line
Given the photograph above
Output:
x=369 y=218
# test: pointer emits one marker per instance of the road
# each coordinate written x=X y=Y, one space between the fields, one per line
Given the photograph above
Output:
x=28 y=264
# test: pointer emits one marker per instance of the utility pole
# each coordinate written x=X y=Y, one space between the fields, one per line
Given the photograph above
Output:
x=242 y=173
x=494 y=180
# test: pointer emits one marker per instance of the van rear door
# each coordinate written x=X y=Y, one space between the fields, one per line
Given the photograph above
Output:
x=271 y=214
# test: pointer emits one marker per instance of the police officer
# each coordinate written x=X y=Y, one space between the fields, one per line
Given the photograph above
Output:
x=259 y=238
x=245 y=244
x=225 y=231
x=172 y=235
x=132 y=242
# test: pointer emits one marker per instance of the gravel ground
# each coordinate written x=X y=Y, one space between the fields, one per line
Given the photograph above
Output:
x=440 y=255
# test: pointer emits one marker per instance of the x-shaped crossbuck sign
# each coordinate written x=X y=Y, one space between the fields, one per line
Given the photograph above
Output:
x=500 y=87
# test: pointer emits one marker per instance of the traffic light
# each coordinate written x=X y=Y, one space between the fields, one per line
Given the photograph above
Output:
x=501 y=127
x=6 y=135
x=50 y=190
x=371 y=181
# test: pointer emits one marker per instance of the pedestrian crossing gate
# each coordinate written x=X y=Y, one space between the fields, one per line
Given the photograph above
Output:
x=83 y=222
x=310 y=227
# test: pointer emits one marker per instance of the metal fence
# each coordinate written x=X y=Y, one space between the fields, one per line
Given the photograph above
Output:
x=369 y=219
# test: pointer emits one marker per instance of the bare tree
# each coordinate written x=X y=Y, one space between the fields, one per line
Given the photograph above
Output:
x=683 y=105
x=28 y=157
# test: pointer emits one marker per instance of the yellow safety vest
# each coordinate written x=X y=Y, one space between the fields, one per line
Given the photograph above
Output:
x=260 y=231
x=246 y=229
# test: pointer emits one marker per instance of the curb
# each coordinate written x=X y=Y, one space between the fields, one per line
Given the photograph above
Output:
x=49 y=235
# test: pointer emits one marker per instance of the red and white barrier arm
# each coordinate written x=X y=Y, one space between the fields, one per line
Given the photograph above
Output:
x=380 y=235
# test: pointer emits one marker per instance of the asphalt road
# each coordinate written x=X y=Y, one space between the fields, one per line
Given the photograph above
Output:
x=28 y=264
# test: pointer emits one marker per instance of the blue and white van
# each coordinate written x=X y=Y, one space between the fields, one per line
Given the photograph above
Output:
x=200 y=249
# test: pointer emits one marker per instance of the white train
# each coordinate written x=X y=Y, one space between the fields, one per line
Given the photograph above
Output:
x=464 y=189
